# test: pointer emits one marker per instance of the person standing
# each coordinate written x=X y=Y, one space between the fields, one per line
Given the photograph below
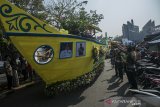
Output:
x=30 y=71
x=15 y=73
x=119 y=62
x=24 y=71
x=112 y=56
x=9 y=73
x=124 y=58
x=116 y=61
x=131 y=61
x=138 y=54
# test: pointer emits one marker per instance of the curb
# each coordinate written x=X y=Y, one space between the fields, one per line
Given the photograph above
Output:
x=7 y=92
x=24 y=85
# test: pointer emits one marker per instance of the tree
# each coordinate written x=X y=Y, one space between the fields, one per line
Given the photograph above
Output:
x=21 y=3
x=34 y=7
x=63 y=14
x=62 y=10
x=72 y=16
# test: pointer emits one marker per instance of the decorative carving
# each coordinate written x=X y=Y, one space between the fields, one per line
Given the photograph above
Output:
x=18 y=20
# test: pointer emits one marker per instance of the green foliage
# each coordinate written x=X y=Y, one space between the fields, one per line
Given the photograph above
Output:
x=34 y=7
x=72 y=16
x=21 y=3
x=95 y=55
x=64 y=87
x=64 y=14
x=1 y=33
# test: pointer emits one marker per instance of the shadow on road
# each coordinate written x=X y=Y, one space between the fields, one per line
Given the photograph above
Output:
x=34 y=97
x=121 y=91
x=114 y=84
x=113 y=79
x=109 y=69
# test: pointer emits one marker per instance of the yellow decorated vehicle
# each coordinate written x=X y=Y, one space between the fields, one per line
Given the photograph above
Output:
x=55 y=55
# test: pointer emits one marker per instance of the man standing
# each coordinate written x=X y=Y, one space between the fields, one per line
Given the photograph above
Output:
x=9 y=73
x=112 y=56
x=119 y=65
x=124 y=59
x=131 y=61
x=116 y=61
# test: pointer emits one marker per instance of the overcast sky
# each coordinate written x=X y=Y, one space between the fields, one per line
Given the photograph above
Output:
x=117 y=12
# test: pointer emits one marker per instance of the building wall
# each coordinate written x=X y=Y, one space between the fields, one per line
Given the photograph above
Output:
x=148 y=27
x=130 y=31
x=156 y=29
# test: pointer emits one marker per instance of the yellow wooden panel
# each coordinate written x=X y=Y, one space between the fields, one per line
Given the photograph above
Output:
x=57 y=69
x=15 y=19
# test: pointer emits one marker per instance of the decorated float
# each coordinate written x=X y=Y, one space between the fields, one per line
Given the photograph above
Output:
x=63 y=61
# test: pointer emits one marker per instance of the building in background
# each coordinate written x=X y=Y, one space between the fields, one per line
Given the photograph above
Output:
x=131 y=31
x=156 y=29
x=150 y=30
x=148 y=27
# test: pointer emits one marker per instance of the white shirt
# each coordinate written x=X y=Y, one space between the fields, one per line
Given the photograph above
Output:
x=65 y=54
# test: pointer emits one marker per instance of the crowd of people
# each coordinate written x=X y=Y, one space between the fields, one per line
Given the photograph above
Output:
x=16 y=68
x=124 y=61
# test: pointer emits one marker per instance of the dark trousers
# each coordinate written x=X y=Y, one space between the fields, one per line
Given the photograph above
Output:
x=120 y=70
x=127 y=73
x=10 y=80
x=25 y=75
x=132 y=78
x=116 y=68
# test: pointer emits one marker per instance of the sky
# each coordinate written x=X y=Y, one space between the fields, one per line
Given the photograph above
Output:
x=118 y=12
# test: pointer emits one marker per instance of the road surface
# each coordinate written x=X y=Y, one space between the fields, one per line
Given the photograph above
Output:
x=106 y=86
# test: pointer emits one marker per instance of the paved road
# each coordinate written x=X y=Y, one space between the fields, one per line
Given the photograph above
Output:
x=106 y=86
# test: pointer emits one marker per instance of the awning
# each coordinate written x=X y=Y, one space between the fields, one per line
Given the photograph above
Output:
x=155 y=41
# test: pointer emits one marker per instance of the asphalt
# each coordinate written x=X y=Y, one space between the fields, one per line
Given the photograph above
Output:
x=107 y=87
